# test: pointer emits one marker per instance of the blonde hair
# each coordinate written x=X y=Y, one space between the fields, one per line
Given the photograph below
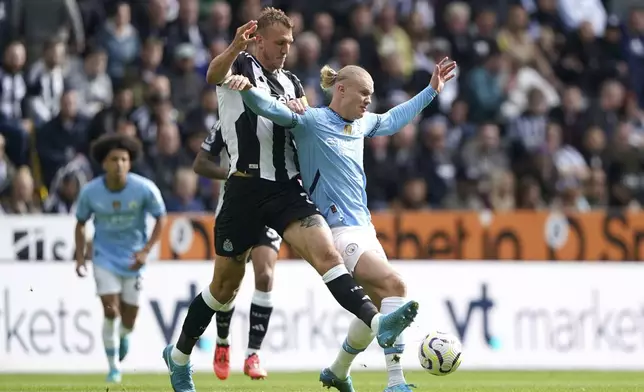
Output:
x=270 y=16
x=329 y=76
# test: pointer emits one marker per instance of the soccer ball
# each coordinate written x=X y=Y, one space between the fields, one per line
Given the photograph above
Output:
x=440 y=353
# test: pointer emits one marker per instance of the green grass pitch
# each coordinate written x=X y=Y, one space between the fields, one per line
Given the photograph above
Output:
x=463 y=381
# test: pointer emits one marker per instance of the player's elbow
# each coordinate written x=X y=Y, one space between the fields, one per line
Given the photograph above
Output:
x=199 y=166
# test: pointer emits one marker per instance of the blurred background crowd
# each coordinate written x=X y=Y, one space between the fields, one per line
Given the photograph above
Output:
x=546 y=110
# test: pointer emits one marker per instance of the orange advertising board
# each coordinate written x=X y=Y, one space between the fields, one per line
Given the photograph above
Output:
x=593 y=236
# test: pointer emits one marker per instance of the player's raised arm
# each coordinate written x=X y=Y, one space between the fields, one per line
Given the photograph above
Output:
x=220 y=66
x=263 y=104
x=392 y=121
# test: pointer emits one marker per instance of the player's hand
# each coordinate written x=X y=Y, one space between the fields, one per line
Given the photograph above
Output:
x=297 y=105
x=443 y=72
x=81 y=268
x=139 y=260
x=243 y=36
x=238 y=83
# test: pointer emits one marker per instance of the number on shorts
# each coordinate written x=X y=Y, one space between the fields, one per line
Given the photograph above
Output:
x=306 y=197
x=276 y=240
x=138 y=283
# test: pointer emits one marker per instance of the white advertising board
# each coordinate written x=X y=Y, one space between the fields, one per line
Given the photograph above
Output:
x=509 y=316
x=44 y=237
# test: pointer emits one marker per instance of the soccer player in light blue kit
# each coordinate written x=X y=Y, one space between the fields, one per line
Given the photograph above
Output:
x=119 y=203
x=330 y=151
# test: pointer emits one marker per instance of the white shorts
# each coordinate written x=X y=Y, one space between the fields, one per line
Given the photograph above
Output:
x=107 y=282
x=353 y=241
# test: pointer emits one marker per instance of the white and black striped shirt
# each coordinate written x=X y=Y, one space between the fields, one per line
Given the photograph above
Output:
x=12 y=91
x=46 y=86
x=255 y=144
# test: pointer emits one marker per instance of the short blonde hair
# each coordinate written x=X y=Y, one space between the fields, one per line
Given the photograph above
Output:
x=270 y=16
x=329 y=77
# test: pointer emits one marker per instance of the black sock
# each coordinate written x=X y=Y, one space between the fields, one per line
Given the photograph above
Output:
x=223 y=323
x=195 y=324
x=259 y=318
x=352 y=297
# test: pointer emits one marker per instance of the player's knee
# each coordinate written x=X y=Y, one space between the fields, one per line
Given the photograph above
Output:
x=392 y=286
x=326 y=260
x=111 y=311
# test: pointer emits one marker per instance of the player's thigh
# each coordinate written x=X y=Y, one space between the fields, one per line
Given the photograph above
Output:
x=237 y=227
x=365 y=258
x=294 y=216
x=132 y=288
x=263 y=257
x=108 y=287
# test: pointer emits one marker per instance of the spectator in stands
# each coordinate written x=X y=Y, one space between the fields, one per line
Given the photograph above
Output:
x=121 y=41
x=413 y=195
x=634 y=43
x=502 y=191
x=324 y=28
x=105 y=121
x=167 y=157
x=185 y=83
x=486 y=88
x=626 y=188
x=61 y=139
x=218 y=23
x=155 y=22
x=529 y=195
x=46 y=82
x=21 y=200
x=7 y=169
x=141 y=73
x=14 y=124
x=41 y=22
x=184 y=198
x=186 y=30
x=435 y=163
x=65 y=190
x=205 y=116
x=308 y=64
x=571 y=115
x=93 y=84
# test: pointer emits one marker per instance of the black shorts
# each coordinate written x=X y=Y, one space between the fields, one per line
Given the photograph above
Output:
x=252 y=204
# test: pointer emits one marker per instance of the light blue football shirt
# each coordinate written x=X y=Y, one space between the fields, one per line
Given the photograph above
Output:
x=120 y=228
x=330 y=150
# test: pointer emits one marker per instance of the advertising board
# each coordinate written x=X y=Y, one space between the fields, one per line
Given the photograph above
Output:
x=434 y=235
x=508 y=315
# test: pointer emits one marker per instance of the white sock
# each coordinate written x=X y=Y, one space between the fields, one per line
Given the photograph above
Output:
x=251 y=351
x=111 y=341
x=358 y=339
x=123 y=331
x=394 y=354
x=262 y=298
x=181 y=358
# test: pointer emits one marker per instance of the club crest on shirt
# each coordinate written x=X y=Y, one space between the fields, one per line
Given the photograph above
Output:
x=347 y=129
x=116 y=205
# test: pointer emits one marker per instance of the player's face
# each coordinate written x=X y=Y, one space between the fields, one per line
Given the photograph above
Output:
x=273 y=44
x=357 y=95
x=117 y=164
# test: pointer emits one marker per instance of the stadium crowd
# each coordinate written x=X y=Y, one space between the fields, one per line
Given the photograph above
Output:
x=546 y=110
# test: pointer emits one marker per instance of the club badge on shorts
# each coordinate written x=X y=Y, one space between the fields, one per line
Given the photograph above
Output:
x=351 y=249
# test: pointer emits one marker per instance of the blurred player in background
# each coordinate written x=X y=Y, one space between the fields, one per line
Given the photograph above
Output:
x=331 y=148
x=263 y=256
x=118 y=202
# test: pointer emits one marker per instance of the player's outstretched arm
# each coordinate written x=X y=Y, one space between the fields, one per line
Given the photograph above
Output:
x=219 y=68
x=262 y=104
x=392 y=121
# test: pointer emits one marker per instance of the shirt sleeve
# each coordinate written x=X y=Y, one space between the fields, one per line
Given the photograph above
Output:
x=264 y=105
x=83 y=207
x=392 y=121
x=154 y=204
x=214 y=142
